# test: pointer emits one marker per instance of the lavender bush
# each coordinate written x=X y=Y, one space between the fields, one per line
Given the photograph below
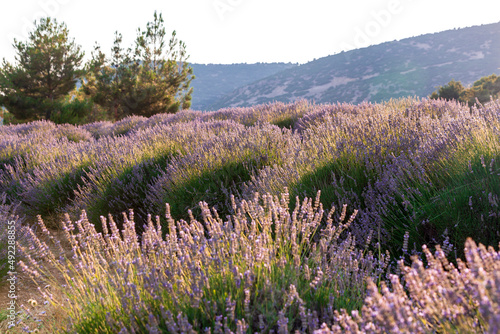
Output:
x=168 y=119
x=389 y=160
x=264 y=269
x=27 y=128
x=437 y=298
x=214 y=170
x=123 y=175
x=125 y=125
x=278 y=113
x=419 y=172
x=99 y=129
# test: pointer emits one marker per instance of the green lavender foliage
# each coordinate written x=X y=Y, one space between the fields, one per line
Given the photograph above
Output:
x=418 y=172
x=399 y=163
x=262 y=265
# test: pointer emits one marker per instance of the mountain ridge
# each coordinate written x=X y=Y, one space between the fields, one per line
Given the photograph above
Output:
x=214 y=81
x=413 y=66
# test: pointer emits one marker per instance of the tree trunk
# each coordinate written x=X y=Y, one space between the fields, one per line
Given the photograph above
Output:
x=48 y=112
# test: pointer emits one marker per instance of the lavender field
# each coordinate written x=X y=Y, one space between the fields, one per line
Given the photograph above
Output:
x=278 y=218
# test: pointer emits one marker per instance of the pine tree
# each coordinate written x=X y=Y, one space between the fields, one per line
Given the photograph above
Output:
x=485 y=88
x=47 y=67
x=110 y=82
x=153 y=78
x=165 y=75
x=452 y=91
x=482 y=90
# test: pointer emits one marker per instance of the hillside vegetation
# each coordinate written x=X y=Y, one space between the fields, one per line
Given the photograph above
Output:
x=481 y=91
x=280 y=217
x=409 y=67
x=213 y=81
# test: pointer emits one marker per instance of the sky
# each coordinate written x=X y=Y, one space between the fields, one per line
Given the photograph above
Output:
x=248 y=31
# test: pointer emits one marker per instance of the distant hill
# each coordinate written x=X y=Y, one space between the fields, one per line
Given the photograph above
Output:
x=413 y=66
x=213 y=81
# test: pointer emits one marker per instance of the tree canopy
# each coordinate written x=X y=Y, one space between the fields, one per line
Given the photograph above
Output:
x=46 y=69
x=153 y=77
x=482 y=90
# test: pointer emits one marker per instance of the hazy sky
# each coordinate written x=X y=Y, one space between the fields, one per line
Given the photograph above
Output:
x=237 y=31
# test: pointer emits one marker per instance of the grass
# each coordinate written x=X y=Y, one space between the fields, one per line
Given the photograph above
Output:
x=464 y=206
x=57 y=193
x=339 y=180
x=458 y=200
x=287 y=123
x=128 y=189
x=207 y=187
x=3 y=315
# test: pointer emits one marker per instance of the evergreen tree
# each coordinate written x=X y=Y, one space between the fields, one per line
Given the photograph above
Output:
x=110 y=82
x=46 y=70
x=486 y=88
x=452 y=91
x=165 y=74
x=153 y=78
x=482 y=90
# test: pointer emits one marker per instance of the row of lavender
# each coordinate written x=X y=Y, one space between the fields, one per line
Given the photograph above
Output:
x=413 y=168
x=385 y=160
x=263 y=270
